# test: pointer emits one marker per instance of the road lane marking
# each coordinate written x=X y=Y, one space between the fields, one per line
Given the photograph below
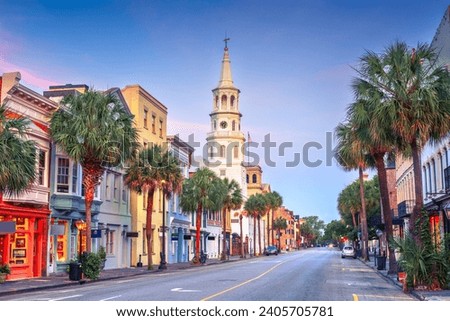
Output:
x=113 y=297
x=241 y=284
x=183 y=290
x=355 y=297
x=66 y=297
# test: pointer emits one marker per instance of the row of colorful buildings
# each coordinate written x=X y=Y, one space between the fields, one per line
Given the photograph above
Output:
x=435 y=167
x=43 y=229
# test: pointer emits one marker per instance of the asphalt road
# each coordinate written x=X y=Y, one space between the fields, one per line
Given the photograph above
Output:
x=317 y=274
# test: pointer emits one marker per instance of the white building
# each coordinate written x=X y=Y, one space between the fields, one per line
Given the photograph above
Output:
x=226 y=149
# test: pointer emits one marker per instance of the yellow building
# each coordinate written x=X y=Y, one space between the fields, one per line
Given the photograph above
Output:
x=151 y=121
x=256 y=186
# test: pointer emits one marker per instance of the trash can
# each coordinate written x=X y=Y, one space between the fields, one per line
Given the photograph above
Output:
x=75 y=271
x=381 y=263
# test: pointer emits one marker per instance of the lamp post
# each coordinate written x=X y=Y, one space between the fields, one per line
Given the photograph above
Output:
x=80 y=224
x=163 y=264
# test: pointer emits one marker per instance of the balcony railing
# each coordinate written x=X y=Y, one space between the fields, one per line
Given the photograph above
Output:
x=405 y=208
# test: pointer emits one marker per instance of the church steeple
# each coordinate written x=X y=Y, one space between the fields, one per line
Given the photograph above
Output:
x=226 y=81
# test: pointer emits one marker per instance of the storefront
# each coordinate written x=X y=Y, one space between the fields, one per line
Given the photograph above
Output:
x=25 y=250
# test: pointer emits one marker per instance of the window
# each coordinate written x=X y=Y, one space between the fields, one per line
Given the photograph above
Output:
x=110 y=242
x=108 y=187
x=153 y=124
x=214 y=125
x=222 y=151
x=160 y=128
x=254 y=178
x=74 y=178
x=247 y=179
x=145 y=118
x=144 y=241
x=433 y=173
x=62 y=180
x=124 y=191
x=41 y=167
x=224 y=101
x=116 y=187
x=223 y=172
x=232 y=101
x=233 y=125
x=217 y=102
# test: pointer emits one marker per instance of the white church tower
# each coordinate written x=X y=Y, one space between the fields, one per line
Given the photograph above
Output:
x=226 y=141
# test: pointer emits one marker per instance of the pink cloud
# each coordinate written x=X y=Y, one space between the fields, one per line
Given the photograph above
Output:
x=28 y=76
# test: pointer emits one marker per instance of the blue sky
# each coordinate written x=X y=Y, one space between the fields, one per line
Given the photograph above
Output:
x=292 y=61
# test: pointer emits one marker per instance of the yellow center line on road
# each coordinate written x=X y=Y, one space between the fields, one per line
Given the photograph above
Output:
x=243 y=283
x=355 y=297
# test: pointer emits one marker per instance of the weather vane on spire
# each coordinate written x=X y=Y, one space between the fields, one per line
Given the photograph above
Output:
x=226 y=41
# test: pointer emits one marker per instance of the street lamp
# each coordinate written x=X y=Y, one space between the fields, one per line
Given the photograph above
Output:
x=163 y=264
x=81 y=225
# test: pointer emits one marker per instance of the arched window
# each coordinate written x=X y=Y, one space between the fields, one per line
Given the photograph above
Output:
x=224 y=102
x=425 y=180
x=433 y=176
x=215 y=125
x=222 y=151
x=232 y=99
x=254 y=179
x=216 y=105
x=233 y=125
x=211 y=152
x=247 y=179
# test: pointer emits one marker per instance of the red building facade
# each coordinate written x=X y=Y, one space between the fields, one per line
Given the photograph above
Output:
x=26 y=248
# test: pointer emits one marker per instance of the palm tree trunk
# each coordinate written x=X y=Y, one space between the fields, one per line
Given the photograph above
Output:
x=242 y=237
x=273 y=232
x=268 y=227
x=259 y=234
x=385 y=204
x=355 y=224
x=149 y=228
x=198 y=225
x=364 y=231
x=224 y=232
x=254 y=235
x=417 y=164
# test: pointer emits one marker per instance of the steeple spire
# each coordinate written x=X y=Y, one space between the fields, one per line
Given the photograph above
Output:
x=226 y=81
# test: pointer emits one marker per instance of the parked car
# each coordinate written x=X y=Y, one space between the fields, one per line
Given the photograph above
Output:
x=270 y=250
x=348 y=251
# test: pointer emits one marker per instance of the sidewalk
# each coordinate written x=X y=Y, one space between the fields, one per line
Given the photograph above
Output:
x=443 y=295
x=62 y=279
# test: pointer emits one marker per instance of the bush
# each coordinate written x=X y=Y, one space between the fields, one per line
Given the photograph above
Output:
x=4 y=268
x=425 y=263
x=91 y=265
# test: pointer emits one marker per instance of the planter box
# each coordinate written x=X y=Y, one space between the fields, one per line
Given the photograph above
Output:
x=401 y=277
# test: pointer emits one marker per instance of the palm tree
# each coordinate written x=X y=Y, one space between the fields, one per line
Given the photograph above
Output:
x=414 y=94
x=274 y=201
x=348 y=204
x=370 y=132
x=351 y=154
x=203 y=191
x=233 y=201
x=153 y=169
x=17 y=155
x=279 y=224
x=241 y=215
x=94 y=130
x=255 y=207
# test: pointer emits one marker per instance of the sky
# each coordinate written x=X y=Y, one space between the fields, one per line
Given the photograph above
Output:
x=292 y=60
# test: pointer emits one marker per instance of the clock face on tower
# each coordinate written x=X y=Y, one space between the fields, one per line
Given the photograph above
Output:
x=223 y=124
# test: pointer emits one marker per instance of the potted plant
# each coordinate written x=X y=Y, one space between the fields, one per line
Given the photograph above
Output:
x=102 y=255
x=4 y=271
